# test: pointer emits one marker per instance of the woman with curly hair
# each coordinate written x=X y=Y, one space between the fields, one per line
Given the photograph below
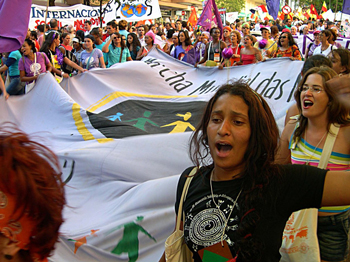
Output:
x=303 y=142
x=31 y=198
x=133 y=44
x=238 y=202
x=287 y=47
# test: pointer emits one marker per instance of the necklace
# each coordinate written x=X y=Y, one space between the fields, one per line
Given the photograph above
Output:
x=319 y=142
x=217 y=206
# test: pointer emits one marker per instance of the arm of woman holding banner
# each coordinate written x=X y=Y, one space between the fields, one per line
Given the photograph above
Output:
x=3 y=89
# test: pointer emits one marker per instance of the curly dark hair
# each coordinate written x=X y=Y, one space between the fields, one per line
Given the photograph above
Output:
x=259 y=165
x=31 y=173
x=135 y=42
x=337 y=112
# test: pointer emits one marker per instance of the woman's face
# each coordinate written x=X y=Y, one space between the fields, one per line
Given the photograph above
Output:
x=306 y=30
x=284 y=40
x=233 y=38
x=228 y=133
x=116 y=39
x=130 y=39
x=226 y=33
x=148 y=40
x=215 y=34
x=182 y=37
x=323 y=38
x=66 y=40
x=175 y=40
x=26 y=49
x=336 y=63
x=88 y=43
x=314 y=99
x=247 y=41
x=293 y=31
x=317 y=38
x=76 y=45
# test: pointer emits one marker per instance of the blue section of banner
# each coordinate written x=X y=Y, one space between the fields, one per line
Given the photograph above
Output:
x=273 y=7
x=346 y=7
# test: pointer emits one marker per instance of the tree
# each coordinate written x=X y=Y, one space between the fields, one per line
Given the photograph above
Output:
x=231 y=5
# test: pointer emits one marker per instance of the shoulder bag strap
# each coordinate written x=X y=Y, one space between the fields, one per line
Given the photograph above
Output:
x=328 y=146
x=209 y=50
x=121 y=54
x=183 y=196
x=88 y=62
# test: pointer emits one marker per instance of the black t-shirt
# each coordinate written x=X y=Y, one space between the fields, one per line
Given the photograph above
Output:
x=297 y=187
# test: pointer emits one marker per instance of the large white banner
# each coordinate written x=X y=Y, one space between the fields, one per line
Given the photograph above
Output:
x=76 y=15
x=121 y=135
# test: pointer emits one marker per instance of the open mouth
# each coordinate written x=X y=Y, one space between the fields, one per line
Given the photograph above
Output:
x=307 y=104
x=223 y=149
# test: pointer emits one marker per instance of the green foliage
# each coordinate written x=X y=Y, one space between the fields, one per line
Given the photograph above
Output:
x=231 y=5
x=335 y=5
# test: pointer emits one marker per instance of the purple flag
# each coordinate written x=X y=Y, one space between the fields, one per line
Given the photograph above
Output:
x=14 y=20
x=273 y=6
x=346 y=7
x=208 y=19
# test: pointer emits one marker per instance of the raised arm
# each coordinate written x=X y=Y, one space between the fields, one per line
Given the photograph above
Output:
x=105 y=48
x=283 y=155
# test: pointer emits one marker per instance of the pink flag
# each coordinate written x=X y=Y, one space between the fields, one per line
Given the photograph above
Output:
x=14 y=20
x=210 y=16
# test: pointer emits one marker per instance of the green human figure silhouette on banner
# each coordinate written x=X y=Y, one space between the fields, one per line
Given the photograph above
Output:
x=130 y=242
x=181 y=126
x=141 y=121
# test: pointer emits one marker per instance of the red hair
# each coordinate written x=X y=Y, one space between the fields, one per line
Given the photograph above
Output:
x=30 y=172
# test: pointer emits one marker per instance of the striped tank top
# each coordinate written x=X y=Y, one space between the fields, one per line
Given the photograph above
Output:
x=303 y=152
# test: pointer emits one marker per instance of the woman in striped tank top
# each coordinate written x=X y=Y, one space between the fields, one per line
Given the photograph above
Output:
x=302 y=143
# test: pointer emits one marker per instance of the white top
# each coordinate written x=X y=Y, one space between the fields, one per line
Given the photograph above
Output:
x=326 y=52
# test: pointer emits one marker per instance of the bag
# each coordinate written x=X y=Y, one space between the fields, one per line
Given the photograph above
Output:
x=299 y=241
x=175 y=248
x=29 y=86
x=67 y=68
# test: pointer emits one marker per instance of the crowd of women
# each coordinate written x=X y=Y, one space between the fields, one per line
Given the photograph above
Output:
x=244 y=190
x=65 y=53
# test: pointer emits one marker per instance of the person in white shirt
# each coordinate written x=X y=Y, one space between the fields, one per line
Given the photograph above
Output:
x=325 y=48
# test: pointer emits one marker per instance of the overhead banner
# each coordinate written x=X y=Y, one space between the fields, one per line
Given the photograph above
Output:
x=121 y=135
x=76 y=15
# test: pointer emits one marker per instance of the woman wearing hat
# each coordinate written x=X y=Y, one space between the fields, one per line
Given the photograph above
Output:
x=77 y=48
x=150 y=37
x=91 y=57
x=312 y=46
x=325 y=48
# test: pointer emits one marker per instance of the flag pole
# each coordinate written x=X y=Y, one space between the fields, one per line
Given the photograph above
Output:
x=47 y=10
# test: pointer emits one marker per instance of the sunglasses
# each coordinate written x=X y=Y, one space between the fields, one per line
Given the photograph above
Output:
x=283 y=37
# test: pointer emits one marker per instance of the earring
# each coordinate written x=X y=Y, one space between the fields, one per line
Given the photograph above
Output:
x=8 y=257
